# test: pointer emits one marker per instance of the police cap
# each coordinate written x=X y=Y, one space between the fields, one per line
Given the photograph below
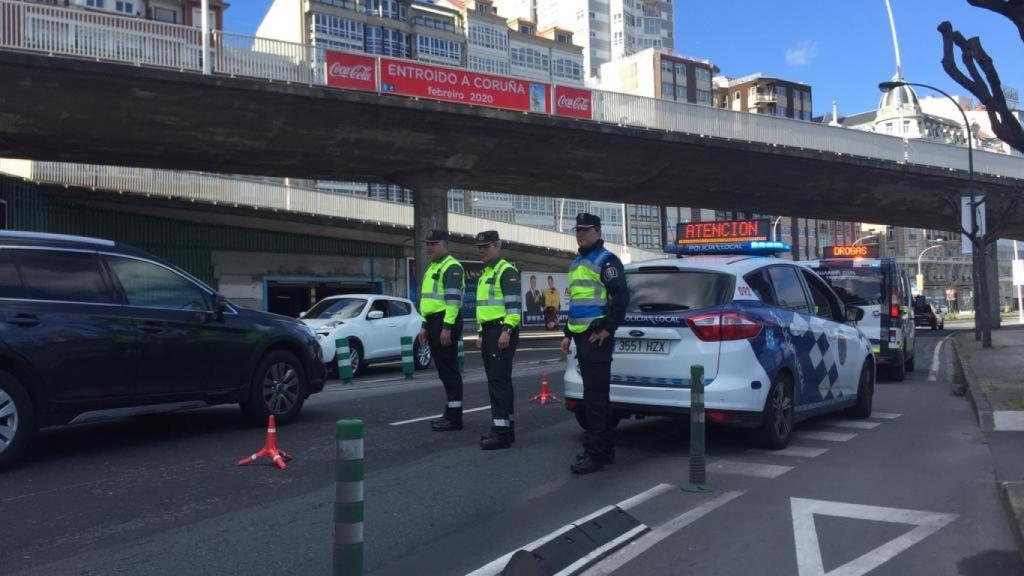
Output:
x=586 y=220
x=437 y=236
x=487 y=237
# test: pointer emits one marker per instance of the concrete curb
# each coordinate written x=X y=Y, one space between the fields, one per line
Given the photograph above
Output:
x=1013 y=499
x=981 y=405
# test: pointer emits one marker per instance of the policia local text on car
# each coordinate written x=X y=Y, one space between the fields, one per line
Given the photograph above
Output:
x=498 y=312
x=598 y=297
x=444 y=282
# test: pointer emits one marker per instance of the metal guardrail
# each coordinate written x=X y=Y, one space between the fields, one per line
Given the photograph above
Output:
x=86 y=34
x=241 y=192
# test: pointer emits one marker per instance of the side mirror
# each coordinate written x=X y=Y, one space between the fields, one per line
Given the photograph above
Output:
x=854 y=314
x=375 y=315
x=220 y=306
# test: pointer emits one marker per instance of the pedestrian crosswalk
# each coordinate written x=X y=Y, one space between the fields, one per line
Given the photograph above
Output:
x=820 y=431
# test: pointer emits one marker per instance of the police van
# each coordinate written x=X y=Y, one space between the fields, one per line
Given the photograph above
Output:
x=776 y=343
x=881 y=288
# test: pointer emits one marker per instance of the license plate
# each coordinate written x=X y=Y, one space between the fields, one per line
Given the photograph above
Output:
x=634 y=346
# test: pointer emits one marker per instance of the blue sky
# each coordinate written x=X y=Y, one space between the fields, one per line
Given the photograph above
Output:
x=842 y=48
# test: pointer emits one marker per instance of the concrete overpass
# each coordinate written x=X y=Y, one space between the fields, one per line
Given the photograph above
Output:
x=91 y=112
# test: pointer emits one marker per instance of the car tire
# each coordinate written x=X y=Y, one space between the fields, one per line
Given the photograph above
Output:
x=865 y=393
x=356 y=356
x=581 y=418
x=279 y=387
x=421 y=356
x=17 y=419
x=898 y=370
x=778 y=416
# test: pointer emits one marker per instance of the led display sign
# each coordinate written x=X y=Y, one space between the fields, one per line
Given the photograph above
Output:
x=860 y=251
x=731 y=231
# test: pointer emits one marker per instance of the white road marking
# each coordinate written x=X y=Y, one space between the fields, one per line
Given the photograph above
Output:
x=751 y=469
x=827 y=436
x=886 y=415
x=495 y=567
x=1008 y=420
x=856 y=424
x=437 y=416
x=933 y=374
x=600 y=551
x=646 y=542
x=808 y=550
x=793 y=451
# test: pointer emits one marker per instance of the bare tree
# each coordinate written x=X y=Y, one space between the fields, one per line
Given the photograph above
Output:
x=981 y=78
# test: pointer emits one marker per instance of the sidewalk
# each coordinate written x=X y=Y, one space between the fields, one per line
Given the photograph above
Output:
x=993 y=380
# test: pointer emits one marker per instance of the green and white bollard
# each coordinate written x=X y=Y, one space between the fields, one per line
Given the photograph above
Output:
x=698 y=450
x=408 y=363
x=462 y=357
x=348 y=499
x=344 y=357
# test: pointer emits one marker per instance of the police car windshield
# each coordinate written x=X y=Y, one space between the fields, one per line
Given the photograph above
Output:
x=340 y=309
x=855 y=286
x=663 y=290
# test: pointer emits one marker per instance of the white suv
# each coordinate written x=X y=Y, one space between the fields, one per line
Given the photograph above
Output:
x=373 y=324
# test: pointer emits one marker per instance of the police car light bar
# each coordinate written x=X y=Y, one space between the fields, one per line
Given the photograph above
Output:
x=755 y=248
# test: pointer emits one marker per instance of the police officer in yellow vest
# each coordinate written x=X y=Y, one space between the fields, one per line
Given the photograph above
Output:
x=441 y=292
x=598 y=298
x=499 y=308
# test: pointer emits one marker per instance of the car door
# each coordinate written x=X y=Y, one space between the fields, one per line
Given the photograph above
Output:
x=842 y=373
x=61 y=317
x=179 y=347
x=407 y=323
x=381 y=333
x=791 y=295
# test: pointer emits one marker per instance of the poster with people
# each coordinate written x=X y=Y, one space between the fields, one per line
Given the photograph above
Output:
x=545 y=299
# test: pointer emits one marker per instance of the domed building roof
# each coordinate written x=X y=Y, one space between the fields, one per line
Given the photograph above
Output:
x=899 y=96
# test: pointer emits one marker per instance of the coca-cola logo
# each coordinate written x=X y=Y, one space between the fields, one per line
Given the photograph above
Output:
x=360 y=72
x=578 y=103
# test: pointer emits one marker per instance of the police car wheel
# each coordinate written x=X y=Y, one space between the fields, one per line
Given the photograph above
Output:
x=898 y=370
x=865 y=393
x=777 y=427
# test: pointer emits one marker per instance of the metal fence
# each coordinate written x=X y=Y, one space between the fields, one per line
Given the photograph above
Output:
x=86 y=34
x=275 y=196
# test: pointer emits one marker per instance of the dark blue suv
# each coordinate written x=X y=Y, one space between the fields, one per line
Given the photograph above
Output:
x=92 y=330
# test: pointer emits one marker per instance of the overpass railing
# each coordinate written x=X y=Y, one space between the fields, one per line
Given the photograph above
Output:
x=93 y=35
x=276 y=196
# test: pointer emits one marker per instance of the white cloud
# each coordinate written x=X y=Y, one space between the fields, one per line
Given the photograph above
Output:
x=802 y=54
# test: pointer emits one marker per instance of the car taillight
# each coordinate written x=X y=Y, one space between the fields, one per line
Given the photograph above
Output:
x=722 y=327
x=895 y=311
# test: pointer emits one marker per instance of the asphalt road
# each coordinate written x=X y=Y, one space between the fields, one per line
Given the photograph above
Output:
x=909 y=491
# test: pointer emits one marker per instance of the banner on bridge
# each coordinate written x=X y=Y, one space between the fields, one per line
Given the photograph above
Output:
x=351 y=71
x=573 y=102
x=454 y=85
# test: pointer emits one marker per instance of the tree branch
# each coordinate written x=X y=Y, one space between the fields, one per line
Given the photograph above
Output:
x=988 y=89
x=1012 y=9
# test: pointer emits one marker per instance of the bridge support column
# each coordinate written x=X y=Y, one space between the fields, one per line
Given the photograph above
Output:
x=430 y=211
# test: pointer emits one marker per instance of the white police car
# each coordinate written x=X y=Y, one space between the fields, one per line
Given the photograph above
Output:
x=777 y=345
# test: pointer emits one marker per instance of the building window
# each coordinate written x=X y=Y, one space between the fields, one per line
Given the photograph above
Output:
x=165 y=15
x=569 y=69
x=339 y=32
x=387 y=42
x=525 y=29
x=124 y=7
x=483 y=8
x=488 y=37
x=667 y=90
x=617 y=17
x=666 y=67
x=96 y=3
x=489 y=65
x=530 y=58
x=680 y=92
x=562 y=38
x=652 y=26
x=703 y=75
x=780 y=91
x=437 y=47
x=433 y=22
x=617 y=38
x=704 y=96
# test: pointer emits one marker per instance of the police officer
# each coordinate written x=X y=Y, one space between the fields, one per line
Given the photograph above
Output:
x=499 y=308
x=444 y=282
x=597 y=305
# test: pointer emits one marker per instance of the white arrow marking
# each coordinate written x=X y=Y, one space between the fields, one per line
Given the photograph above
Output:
x=808 y=552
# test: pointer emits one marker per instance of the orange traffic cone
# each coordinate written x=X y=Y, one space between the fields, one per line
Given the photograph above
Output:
x=270 y=449
x=545 y=395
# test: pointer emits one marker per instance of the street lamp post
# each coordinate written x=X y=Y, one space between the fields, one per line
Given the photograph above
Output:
x=920 y=275
x=981 y=325
x=859 y=240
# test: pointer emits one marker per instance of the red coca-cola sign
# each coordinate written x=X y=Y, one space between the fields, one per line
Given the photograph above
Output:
x=573 y=102
x=351 y=71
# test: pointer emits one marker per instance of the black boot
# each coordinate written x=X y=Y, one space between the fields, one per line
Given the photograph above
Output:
x=607 y=457
x=587 y=465
x=498 y=439
x=450 y=422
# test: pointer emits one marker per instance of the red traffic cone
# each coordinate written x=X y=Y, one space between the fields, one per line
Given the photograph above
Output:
x=270 y=449
x=545 y=395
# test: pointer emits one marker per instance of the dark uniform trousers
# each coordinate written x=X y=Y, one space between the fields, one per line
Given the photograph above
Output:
x=446 y=358
x=498 y=366
x=596 y=370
